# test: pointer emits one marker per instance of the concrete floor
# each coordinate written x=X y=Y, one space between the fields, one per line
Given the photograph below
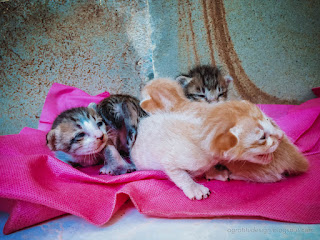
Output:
x=271 y=49
x=128 y=223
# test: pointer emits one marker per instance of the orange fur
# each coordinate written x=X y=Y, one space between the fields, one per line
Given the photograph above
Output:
x=159 y=98
x=232 y=130
x=286 y=159
x=224 y=142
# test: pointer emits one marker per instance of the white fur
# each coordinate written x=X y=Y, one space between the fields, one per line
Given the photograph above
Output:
x=91 y=145
x=164 y=144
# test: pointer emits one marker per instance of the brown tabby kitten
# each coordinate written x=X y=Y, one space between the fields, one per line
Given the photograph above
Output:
x=205 y=83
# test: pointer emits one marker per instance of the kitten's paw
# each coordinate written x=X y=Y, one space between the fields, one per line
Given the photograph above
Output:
x=118 y=170
x=123 y=170
x=218 y=175
x=106 y=170
x=197 y=191
x=131 y=168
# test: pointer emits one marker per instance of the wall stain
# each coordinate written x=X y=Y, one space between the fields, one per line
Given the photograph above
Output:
x=218 y=38
x=183 y=35
x=245 y=87
x=194 y=43
x=208 y=31
x=77 y=43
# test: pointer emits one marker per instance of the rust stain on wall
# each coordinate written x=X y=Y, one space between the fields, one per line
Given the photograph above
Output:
x=187 y=37
x=183 y=36
x=245 y=87
x=217 y=38
x=194 y=45
x=208 y=31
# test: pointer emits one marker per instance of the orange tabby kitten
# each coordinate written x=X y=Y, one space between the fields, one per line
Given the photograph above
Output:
x=243 y=132
x=287 y=160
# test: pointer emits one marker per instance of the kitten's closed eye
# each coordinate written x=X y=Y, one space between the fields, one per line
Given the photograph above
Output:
x=196 y=96
x=80 y=135
x=99 y=124
x=263 y=137
x=77 y=138
x=200 y=90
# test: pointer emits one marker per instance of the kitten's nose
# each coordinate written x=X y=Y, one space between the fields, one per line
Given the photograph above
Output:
x=99 y=135
x=100 y=138
x=210 y=100
x=279 y=135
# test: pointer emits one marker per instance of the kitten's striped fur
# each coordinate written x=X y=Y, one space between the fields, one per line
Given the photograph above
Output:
x=123 y=113
x=205 y=83
x=80 y=136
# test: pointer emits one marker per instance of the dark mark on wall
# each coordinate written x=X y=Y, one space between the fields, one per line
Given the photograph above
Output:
x=245 y=87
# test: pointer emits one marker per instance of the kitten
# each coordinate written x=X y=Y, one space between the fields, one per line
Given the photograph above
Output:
x=165 y=95
x=122 y=113
x=188 y=141
x=205 y=83
x=80 y=137
x=287 y=161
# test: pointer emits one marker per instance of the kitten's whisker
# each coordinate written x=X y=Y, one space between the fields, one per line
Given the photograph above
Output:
x=244 y=162
x=85 y=156
x=92 y=158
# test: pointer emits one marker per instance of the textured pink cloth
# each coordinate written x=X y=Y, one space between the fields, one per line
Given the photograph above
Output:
x=61 y=98
x=316 y=91
x=40 y=187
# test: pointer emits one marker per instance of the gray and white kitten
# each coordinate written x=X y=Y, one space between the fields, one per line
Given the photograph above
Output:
x=205 y=83
x=79 y=136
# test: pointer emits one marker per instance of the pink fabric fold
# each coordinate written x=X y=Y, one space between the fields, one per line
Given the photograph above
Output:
x=35 y=186
x=316 y=91
x=62 y=97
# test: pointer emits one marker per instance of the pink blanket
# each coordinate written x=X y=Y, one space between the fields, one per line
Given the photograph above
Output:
x=35 y=186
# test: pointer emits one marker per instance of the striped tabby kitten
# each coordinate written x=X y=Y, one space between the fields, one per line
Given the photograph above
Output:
x=79 y=136
x=123 y=113
x=205 y=83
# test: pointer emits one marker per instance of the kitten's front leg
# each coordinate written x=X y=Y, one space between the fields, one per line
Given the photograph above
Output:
x=190 y=188
x=114 y=163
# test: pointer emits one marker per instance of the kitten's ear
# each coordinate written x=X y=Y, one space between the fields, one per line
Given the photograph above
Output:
x=228 y=79
x=183 y=80
x=51 y=140
x=150 y=105
x=225 y=141
x=93 y=106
